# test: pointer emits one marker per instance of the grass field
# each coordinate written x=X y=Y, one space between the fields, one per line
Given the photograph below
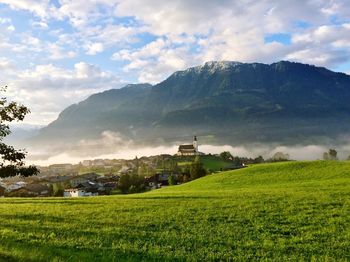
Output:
x=210 y=162
x=296 y=211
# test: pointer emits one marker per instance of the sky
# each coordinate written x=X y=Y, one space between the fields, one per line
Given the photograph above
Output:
x=54 y=53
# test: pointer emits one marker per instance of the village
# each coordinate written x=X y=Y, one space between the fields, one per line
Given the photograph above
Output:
x=98 y=177
x=117 y=176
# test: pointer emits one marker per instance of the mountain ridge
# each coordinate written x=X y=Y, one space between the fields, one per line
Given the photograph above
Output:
x=250 y=100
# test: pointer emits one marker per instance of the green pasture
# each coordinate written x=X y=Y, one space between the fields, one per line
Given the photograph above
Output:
x=210 y=162
x=293 y=211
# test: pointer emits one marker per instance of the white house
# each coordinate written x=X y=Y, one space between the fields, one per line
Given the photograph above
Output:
x=16 y=186
x=77 y=192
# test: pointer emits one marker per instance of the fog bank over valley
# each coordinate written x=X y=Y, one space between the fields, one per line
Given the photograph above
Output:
x=112 y=145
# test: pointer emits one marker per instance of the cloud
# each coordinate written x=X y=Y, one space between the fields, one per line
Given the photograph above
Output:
x=148 y=40
x=112 y=145
x=94 y=48
x=7 y=65
x=40 y=25
x=48 y=89
x=326 y=45
x=38 y=7
x=156 y=59
x=225 y=30
x=57 y=52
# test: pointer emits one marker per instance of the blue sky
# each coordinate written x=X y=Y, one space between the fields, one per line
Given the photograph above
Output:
x=55 y=53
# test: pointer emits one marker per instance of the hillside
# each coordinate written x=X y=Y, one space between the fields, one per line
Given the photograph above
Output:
x=224 y=102
x=296 y=211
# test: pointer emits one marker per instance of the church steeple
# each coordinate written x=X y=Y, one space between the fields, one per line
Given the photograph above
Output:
x=195 y=143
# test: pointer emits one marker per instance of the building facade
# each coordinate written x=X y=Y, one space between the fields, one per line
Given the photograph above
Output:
x=189 y=149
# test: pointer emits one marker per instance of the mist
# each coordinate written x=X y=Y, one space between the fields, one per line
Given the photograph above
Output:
x=111 y=145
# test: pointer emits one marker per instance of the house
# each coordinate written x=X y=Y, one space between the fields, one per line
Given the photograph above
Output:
x=190 y=149
x=160 y=179
x=81 y=179
x=108 y=179
x=107 y=188
x=89 y=186
x=81 y=190
x=56 y=179
x=16 y=185
x=77 y=192
x=30 y=190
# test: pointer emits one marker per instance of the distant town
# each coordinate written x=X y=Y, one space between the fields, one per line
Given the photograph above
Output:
x=101 y=176
x=120 y=176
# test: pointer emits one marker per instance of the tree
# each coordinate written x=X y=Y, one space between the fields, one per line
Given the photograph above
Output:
x=12 y=160
x=131 y=183
x=333 y=154
x=124 y=183
x=226 y=155
x=171 y=180
x=280 y=156
x=57 y=189
x=325 y=156
x=196 y=169
x=237 y=161
x=330 y=155
x=259 y=160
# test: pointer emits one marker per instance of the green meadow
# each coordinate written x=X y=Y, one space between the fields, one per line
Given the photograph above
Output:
x=292 y=211
x=210 y=162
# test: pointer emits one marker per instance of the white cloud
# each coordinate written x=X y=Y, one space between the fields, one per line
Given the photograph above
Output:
x=318 y=57
x=232 y=30
x=11 y=28
x=94 y=48
x=153 y=38
x=38 y=7
x=326 y=45
x=40 y=24
x=156 y=60
x=80 y=12
x=57 y=52
x=48 y=89
x=6 y=65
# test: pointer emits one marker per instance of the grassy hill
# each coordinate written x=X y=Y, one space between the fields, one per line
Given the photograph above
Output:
x=282 y=211
x=210 y=162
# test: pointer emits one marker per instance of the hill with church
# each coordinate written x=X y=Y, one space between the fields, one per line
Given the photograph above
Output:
x=223 y=102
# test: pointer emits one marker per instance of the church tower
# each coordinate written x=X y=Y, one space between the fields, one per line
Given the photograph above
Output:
x=195 y=144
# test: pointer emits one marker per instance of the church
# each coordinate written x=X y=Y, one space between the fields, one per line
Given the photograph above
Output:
x=189 y=150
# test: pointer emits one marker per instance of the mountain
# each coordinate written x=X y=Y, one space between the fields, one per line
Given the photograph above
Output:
x=223 y=102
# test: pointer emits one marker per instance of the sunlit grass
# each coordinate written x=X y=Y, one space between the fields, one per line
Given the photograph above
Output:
x=284 y=211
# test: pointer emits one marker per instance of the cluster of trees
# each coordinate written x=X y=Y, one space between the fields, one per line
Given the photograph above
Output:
x=238 y=161
x=196 y=169
x=135 y=182
x=332 y=154
x=131 y=183
x=12 y=160
x=191 y=172
x=278 y=157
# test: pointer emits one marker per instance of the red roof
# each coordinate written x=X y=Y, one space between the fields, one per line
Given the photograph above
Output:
x=186 y=147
